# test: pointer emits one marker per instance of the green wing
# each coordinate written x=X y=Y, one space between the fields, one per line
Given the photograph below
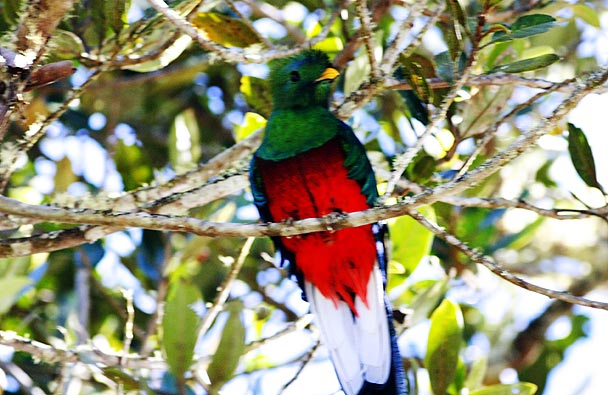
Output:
x=357 y=163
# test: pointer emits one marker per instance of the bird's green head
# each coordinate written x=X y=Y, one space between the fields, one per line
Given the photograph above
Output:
x=302 y=80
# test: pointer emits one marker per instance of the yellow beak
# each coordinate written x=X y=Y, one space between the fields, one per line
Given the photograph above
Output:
x=328 y=74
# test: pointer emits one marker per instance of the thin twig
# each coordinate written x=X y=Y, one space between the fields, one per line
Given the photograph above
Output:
x=126 y=346
x=248 y=23
x=222 y=296
x=491 y=132
x=495 y=268
x=291 y=327
x=367 y=29
x=235 y=55
x=334 y=222
x=395 y=49
x=307 y=358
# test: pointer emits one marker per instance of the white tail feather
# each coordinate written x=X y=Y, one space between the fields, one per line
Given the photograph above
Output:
x=359 y=346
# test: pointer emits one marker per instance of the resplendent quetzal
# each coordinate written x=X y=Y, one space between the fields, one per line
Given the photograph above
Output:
x=311 y=164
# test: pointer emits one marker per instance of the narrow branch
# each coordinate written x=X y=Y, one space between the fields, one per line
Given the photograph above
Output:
x=291 y=327
x=225 y=288
x=160 y=195
x=402 y=161
x=248 y=23
x=495 y=268
x=366 y=36
x=396 y=47
x=36 y=26
x=265 y=10
x=307 y=358
x=235 y=55
x=491 y=132
x=37 y=129
x=333 y=222
x=129 y=325
x=498 y=80
x=50 y=354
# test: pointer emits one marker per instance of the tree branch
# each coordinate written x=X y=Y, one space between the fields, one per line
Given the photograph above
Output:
x=236 y=55
x=331 y=222
x=495 y=268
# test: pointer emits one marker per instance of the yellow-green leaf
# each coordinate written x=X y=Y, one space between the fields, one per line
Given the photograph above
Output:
x=166 y=57
x=66 y=45
x=184 y=141
x=586 y=13
x=507 y=389
x=251 y=123
x=330 y=44
x=180 y=326
x=10 y=287
x=257 y=94
x=230 y=349
x=443 y=346
x=411 y=242
x=64 y=176
x=224 y=30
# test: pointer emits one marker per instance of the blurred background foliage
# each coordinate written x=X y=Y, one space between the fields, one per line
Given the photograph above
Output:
x=159 y=105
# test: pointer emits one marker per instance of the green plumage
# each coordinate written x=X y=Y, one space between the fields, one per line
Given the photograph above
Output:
x=301 y=121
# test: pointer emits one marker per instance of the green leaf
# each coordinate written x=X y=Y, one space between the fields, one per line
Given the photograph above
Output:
x=507 y=389
x=166 y=57
x=356 y=72
x=416 y=70
x=329 y=44
x=477 y=373
x=118 y=375
x=423 y=297
x=411 y=242
x=224 y=30
x=132 y=164
x=230 y=349
x=521 y=66
x=443 y=347
x=66 y=45
x=587 y=14
x=257 y=94
x=180 y=326
x=64 y=176
x=582 y=156
x=453 y=31
x=525 y=26
x=251 y=123
x=116 y=11
x=10 y=11
x=10 y=287
x=184 y=141
x=444 y=66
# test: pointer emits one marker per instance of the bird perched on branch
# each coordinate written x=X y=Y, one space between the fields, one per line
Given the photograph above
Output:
x=309 y=165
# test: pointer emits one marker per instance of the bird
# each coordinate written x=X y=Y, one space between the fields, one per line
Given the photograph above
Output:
x=310 y=164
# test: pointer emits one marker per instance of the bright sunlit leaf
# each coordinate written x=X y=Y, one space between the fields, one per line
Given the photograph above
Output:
x=224 y=30
x=507 y=389
x=411 y=242
x=180 y=326
x=230 y=349
x=443 y=346
x=251 y=123
x=10 y=287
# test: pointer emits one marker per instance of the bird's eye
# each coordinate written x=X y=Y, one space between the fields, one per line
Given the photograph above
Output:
x=294 y=76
